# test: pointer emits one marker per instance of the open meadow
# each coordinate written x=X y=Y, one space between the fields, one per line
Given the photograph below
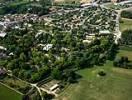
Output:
x=125 y=24
x=115 y=85
x=8 y=94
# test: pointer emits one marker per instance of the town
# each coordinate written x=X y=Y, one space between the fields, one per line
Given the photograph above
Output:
x=48 y=48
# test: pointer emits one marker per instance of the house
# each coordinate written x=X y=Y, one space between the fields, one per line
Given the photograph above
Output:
x=86 y=5
x=48 y=47
x=3 y=48
x=2 y=71
x=54 y=87
x=104 y=32
x=2 y=34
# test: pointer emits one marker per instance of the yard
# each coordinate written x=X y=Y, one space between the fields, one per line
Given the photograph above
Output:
x=8 y=94
x=116 y=85
x=126 y=24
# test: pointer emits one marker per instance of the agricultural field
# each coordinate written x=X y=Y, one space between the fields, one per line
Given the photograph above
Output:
x=116 y=85
x=8 y=94
x=125 y=24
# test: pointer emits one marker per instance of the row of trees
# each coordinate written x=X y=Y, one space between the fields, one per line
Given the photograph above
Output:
x=126 y=14
x=126 y=37
x=122 y=62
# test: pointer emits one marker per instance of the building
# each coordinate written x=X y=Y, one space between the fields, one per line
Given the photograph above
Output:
x=104 y=32
x=2 y=34
x=48 y=47
x=54 y=87
x=3 y=48
x=2 y=71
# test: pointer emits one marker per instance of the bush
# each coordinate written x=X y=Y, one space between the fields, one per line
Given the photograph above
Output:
x=126 y=37
x=101 y=73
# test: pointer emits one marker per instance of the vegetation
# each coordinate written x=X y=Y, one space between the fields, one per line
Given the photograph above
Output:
x=122 y=62
x=25 y=7
x=126 y=37
x=126 y=14
x=32 y=61
x=125 y=24
x=9 y=94
x=16 y=84
x=116 y=84
x=59 y=46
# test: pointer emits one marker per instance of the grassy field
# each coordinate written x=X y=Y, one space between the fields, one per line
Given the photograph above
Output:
x=8 y=94
x=116 y=85
x=127 y=24
x=126 y=51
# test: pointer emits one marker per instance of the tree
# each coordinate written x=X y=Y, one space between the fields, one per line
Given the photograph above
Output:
x=121 y=62
x=22 y=57
x=56 y=74
x=45 y=3
x=35 y=77
x=126 y=37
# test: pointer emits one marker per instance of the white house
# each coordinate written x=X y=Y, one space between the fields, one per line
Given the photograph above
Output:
x=54 y=87
x=2 y=34
x=104 y=32
x=48 y=47
x=3 y=48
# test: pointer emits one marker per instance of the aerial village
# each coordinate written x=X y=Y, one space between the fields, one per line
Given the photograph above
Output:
x=39 y=52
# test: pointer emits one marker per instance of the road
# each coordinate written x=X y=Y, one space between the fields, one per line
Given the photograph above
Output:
x=118 y=32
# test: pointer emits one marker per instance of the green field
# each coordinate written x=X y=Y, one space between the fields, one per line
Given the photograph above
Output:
x=127 y=24
x=116 y=85
x=8 y=94
x=127 y=53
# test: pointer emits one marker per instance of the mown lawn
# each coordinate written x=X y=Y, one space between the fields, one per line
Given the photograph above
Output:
x=8 y=94
x=116 y=85
x=126 y=24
